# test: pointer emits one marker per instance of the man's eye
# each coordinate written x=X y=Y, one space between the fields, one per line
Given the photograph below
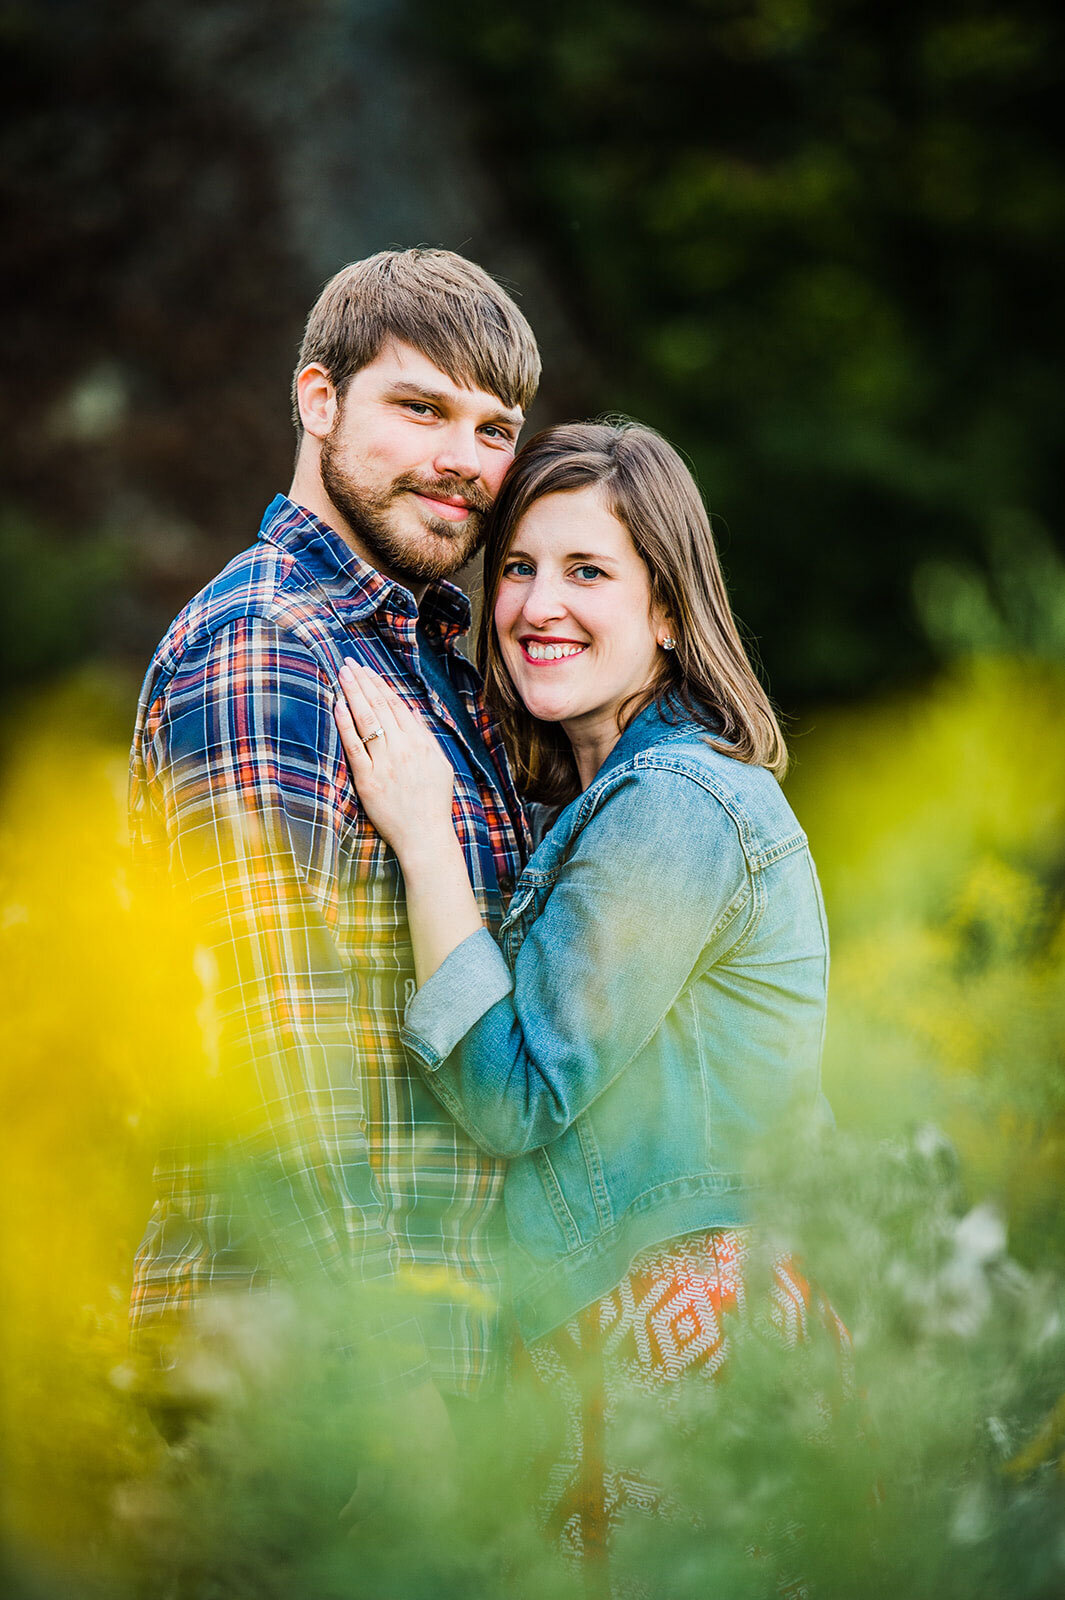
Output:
x=420 y=408
x=497 y=433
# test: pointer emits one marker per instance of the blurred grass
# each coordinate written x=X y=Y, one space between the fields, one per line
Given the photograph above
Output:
x=100 y=1040
x=937 y=824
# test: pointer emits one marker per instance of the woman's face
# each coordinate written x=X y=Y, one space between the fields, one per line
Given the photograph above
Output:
x=573 y=615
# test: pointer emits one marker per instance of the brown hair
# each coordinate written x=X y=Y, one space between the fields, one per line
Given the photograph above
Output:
x=436 y=301
x=650 y=490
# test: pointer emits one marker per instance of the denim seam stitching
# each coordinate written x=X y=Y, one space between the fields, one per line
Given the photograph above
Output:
x=430 y=1057
x=562 y=1213
x=590 y=1151
x=758 y=900
x=703 y=1080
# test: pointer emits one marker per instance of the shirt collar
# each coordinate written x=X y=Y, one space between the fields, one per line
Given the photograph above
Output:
x=323 y=555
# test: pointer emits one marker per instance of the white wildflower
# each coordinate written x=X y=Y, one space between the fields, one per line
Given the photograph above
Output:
x=980 y=1236
x=972 y=1516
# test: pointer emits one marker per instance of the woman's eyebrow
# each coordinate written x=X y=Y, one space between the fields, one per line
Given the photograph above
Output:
x=591 y=556
x=514 y=553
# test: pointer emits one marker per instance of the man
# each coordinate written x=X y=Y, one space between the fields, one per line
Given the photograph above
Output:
x=410 y=391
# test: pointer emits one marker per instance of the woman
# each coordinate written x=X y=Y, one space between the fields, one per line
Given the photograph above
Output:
x=657 y=1003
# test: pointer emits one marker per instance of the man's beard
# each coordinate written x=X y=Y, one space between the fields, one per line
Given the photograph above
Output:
x=444 y=546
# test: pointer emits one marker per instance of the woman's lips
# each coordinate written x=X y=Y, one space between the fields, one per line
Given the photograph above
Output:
x=548 y=652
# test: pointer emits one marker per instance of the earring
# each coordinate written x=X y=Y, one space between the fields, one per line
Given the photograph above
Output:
x=668 y=644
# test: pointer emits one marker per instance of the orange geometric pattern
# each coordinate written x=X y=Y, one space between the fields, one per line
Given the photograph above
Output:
x=668 y=1318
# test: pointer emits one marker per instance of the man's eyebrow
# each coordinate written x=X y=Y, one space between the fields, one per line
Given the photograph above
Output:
x=407 y=386
x=437 y=397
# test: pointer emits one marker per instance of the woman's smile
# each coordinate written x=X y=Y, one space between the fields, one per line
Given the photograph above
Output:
x=543 y=651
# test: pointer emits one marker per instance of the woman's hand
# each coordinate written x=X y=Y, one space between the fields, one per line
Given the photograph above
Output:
x=405 y=783
x=403 y=777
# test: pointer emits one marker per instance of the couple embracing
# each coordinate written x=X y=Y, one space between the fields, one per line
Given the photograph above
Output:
x=520 y=960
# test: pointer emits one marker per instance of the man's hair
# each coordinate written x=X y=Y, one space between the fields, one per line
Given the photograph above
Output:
x=648 y=488
x=443 y=305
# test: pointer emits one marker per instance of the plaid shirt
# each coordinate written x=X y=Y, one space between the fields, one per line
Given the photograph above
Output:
x=240 y=784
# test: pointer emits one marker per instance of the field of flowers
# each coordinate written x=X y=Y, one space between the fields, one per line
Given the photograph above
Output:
x=931 y=1217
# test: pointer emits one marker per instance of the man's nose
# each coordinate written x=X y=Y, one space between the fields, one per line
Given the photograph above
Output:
x=458 y=455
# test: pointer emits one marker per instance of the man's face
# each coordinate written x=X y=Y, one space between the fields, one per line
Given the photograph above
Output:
x=414 y=462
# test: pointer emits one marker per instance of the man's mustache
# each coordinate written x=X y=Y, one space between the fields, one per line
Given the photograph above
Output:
x=445 y=489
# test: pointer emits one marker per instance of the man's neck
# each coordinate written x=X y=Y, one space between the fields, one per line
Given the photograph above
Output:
x=307 y=490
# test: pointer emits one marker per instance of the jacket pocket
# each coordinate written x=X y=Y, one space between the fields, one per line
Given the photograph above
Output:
x=597 y=1183
x=556 y=1200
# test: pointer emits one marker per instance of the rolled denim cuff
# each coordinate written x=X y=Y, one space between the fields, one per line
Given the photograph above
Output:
x=468 y=983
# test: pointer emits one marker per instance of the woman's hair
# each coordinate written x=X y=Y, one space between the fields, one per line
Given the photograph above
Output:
x=651 y=492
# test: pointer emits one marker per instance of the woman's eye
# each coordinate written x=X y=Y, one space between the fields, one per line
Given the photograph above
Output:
x=588 y=573
x=518 y=569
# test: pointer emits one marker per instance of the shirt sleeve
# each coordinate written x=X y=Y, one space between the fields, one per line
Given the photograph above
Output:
x=263 y=828
x=655 y=885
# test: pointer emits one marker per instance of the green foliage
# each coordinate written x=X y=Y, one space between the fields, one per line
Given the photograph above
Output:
x=817 y=242
x=937 y=822
x=931 y=1221
x=54 y=594
x=818 y=245
x=1017 y=602
x=918 y=1484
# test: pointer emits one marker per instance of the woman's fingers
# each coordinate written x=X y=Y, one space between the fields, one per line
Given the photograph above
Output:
x=403 y=777
x=380 y=713
x=372 y=716
x=354 y=749
x=388 y=705
x=379 y=696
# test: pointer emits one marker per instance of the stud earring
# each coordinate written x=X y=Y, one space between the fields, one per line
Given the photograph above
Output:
x=668 y=644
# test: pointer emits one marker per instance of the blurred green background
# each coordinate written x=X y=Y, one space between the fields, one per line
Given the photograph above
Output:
x=819 y=246
x=816 y=242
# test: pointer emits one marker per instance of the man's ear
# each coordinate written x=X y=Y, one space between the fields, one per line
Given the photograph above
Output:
x=317 y=400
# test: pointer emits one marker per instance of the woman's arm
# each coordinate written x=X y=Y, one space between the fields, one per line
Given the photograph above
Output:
x=405 y=786
x=653 y=887
x=653 y=890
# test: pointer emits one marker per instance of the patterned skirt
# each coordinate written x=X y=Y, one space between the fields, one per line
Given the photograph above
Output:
x=672 y=1316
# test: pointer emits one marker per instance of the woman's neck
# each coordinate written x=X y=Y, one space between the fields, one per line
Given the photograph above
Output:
x=590 y=747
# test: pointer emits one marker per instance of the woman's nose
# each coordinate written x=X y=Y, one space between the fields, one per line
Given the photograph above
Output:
x=543 y=603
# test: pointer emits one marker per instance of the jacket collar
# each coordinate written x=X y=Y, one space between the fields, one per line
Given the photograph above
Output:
x=655 y=724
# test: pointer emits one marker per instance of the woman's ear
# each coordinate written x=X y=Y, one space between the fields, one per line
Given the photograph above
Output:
x=665 y=632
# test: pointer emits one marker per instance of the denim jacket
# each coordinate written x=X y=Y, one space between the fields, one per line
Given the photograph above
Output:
x=655 y=1005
